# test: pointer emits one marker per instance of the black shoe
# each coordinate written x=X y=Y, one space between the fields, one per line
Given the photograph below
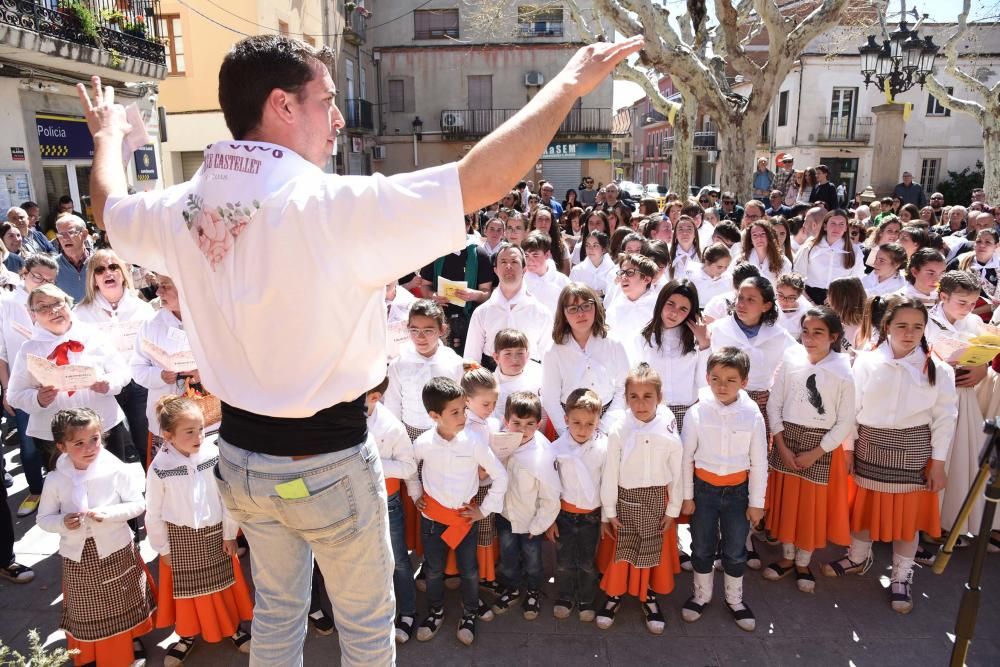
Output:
x=404 y=628
x=489 y=585
x=532 y=605
x=925 y=556
x=692 y=611
x=606 y=616
x=467 y=629
x=484 y=612
x=322 y=623
x=507 y=597
x=655 y=622
x=431 y=625
x=178 y=652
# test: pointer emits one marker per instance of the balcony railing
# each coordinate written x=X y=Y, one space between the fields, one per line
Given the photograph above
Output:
x=706 y=140
x=652 y=116
x=128 y=28
x=480 y=122
x=358 y=115
x=668 y=145
x=540 y=29
x=355 y=27
x=845 y=130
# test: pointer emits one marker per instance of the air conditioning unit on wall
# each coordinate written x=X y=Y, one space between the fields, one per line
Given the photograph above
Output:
x=713 y=156
x=453 y=120
x=533 y=79
x=378 y=152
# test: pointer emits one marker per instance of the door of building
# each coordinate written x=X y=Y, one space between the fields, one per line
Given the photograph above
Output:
x=843 y=170
x=68 y=178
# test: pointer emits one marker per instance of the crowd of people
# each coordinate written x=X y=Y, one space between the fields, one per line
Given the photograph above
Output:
x=589 y=375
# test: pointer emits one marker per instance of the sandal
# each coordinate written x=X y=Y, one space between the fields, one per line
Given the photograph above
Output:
x=805 y=580
x=775 y=572
x=19 y=574
x=845 y=566
x=606 y=616
x=655 y=622
x=532 y=605
x=404 y=629
x=692 y=611
x=899 y=597
x=925 y=557
x=138 y=653
x=178 y=652
x=241 y=640
x=467 y=629
x=562 y=609
x=431 y=625
x=685 y=558
x=484 y=612
x=743 y=616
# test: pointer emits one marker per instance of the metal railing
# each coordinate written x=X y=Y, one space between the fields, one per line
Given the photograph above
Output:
x=358 y=115
x=652 y=116
x=847 y=130
x=668 y=145
x=130 y=29
x=706 y=140
x=355 y=28
x=540 y=29
x=480 y=122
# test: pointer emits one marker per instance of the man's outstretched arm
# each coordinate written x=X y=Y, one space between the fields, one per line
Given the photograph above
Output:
x=507 y=153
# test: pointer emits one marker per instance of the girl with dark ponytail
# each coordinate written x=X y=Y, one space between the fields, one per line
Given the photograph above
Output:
x=907 y=409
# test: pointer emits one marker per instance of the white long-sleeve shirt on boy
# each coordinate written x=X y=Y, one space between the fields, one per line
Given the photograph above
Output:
x=546 y=288
x=683 y=374
x=643 y=454
x=407 y=376
x=896 y=394
x=451 y=471
x=765 y=349
x=522 y=312
x=581 y=468
x=531 y=503
x=98 y=352
x=726 y=439
x=107 y=485
x=814 y=395
x=626 y=318
x=182 y=490
x=167 y=332
x=601 y=366
x=529 y=379
x=394 y=446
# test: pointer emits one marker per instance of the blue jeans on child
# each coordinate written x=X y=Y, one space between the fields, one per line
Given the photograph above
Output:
x=576 y=547
x=31 y=458
x=520 y=557
x=343 y=522
x=435 y=556
x=720 y=509
x=402 y=576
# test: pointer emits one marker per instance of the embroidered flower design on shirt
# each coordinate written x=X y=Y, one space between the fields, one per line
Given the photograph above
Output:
x=215 y=230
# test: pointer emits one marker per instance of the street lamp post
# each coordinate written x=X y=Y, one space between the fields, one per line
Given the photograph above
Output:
x=902 y=61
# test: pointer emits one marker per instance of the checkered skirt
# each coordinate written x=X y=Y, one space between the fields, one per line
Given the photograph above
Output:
x=760 y=397
x=799 y=439
x=679 y=412
x=487 y=526
x=103 y=597
x=414 y=432
x=199 y=565
x=640 y=511
x=892 y=460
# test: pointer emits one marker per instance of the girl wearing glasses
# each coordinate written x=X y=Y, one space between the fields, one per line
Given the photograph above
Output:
x=15 y=328
x=59 y=338
x=111 y=304
x=582 y=356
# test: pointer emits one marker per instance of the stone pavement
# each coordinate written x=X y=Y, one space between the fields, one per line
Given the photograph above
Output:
x=846 y=622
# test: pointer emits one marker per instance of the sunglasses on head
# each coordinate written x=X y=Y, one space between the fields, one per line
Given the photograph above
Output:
x=99 y=271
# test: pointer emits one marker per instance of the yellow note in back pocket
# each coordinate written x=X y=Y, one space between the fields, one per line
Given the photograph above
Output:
x=292 y=490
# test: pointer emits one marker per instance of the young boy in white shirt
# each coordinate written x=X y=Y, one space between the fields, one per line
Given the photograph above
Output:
x=530 y=506
x=580 y=455
x=450 y=480
x=515 y=370
x=544 y=281
x=725 y=481
x=398 y=463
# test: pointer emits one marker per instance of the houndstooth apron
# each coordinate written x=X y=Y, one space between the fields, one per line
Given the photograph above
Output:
x=487 y=526
x=197 y=561
x=760 y=397
x=414 y=432
x=801 y=439
x=679 y=412
x=892 y=460
x=103 y=597
x=640 y=511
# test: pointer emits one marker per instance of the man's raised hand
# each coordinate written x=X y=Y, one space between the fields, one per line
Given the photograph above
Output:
x=103 y=115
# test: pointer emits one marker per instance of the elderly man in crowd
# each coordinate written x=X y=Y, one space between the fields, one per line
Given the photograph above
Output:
x=32 y=240
x=71 y=231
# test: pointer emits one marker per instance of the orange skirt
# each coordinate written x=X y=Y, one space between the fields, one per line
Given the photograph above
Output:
x=807 y=514
x=113 y=651
x=213 y=617
x=895 y=516
x=487 y=557
x=622 y=577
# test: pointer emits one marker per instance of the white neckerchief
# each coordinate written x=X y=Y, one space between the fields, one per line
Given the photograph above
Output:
x=662 y=424
x=175 y=459
x=992 y=263
x=79 y=478
x=914 y=363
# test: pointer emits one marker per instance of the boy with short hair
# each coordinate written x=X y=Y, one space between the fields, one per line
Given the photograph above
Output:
x=544 y=281
x=450 y=479
x=515 y=369
x=725 y=481
x=398 y=463
x=530 y=506
x=580 y=454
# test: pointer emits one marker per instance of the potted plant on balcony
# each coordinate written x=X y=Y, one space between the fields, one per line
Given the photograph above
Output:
x=136 y=28
x=82 y=19
x=114 y=18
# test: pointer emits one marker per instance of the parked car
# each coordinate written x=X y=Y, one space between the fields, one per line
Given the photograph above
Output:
x=655 y=190
x=634 y=190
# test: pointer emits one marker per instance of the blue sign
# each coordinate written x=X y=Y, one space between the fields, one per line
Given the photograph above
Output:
x=63 y=137
x=578 y=151
x=145 y=163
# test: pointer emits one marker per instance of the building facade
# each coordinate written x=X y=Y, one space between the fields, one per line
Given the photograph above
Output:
x=447 y=76
x=46 y=51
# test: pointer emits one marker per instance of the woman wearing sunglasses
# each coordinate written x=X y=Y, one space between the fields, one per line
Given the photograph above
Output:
x=110 y=303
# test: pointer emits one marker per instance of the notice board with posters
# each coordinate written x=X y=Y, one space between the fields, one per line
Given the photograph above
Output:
x=16 y=188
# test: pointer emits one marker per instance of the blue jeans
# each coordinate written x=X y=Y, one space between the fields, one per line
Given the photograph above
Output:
x=31 y=458
x=520 y=557
x=720 y=509
x=576 y=548
x=435 y=556
x=343 y=522
x=402 y=577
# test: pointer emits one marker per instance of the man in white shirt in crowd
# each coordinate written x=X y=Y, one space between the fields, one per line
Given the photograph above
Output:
x=296 y=468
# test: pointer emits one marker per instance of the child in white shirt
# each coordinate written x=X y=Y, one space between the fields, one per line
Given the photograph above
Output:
x=719 y=306
x=515 y=371
x=580 y=454
x=596 y=270
x=530 y=506
x=641 y=493
x=711 y=277
x=889 y=260
x=544 y=282
x=631 y=310
x=922 y=274
x=725 y=481
x=792 y=305
x=87 y=500
x=202 y=589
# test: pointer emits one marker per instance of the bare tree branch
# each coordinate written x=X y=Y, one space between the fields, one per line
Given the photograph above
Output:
x=729 y=42
x=583 y=24
x=656 y=98
x=948 y=101
x=951 y=54
x=812 y=26
x=620 y=18
x=772 y=18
